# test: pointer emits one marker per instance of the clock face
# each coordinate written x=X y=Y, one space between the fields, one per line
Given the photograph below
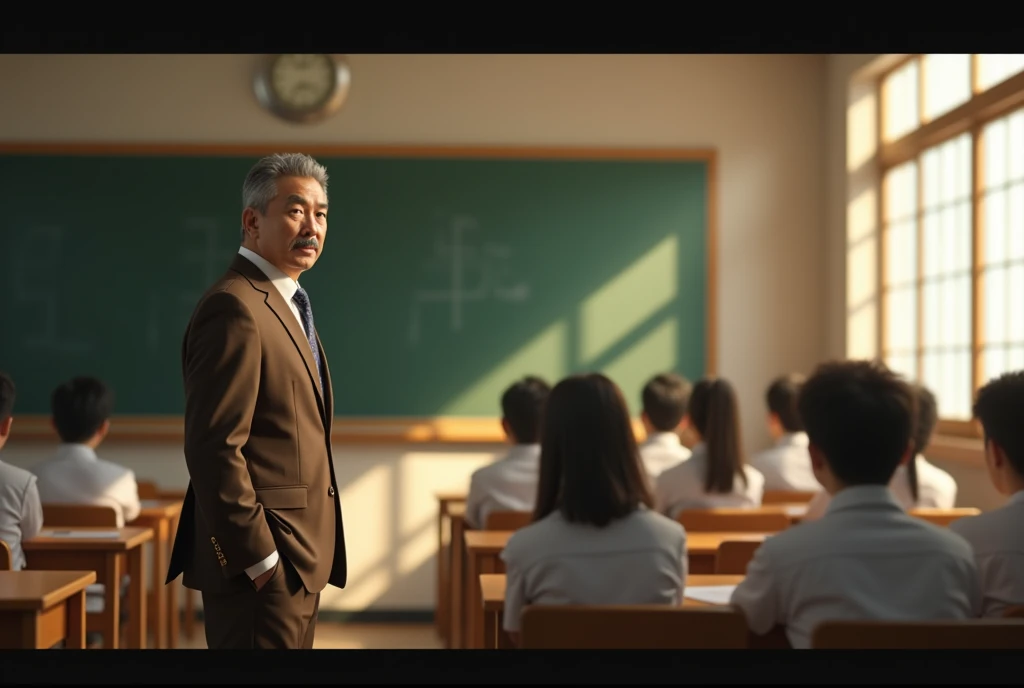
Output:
x=302 y=81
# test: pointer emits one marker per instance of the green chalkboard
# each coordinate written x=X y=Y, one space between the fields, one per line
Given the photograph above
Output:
x=443 y=278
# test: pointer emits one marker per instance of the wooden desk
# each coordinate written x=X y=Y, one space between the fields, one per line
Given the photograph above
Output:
x=492 y=603
x=162 y=516
x=38 y=609
x=448 y=503
x=106 y=556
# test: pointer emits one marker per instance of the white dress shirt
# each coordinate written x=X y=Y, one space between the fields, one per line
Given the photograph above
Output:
x=865 y=559
x=682 y=487
x=508 y=484
x=74 y=474
x=661 y=451
x=997 y=538
x=287 y=286
x=936 y=489
x=21 y=514
x=787 y=465
x=639 y=559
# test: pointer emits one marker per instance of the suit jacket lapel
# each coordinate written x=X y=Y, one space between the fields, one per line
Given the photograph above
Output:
x=329 y=392
x=276 y=303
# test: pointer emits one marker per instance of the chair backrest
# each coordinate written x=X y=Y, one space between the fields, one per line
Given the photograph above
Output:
x=148 y=490
x=966 y=634
x=787 y=497
x=5 y=556
x=943 y=517
x=734 y=555
x=1014 y=612
x=755 y=520
x=508 y=520
x=632 y=627
x=86 y=515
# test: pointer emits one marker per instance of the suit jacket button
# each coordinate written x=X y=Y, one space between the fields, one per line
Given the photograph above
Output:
x=330 y=491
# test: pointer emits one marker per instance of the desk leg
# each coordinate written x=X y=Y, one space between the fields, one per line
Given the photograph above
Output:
x=111 y=623
x=137 y=599
x=173 y=613
x=160 y=610
x=75 y=609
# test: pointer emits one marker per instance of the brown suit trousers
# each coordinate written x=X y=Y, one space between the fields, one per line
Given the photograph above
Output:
x=258 y=451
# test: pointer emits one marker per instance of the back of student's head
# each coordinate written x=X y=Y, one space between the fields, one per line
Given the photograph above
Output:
x=781 y=399
x=590 y=466
x=925 y=422
x=665 y=398
x=998 y=408
x=861 y=416
x=521 y=406
x=80 y=407
x=7 y=395
x=714 y=413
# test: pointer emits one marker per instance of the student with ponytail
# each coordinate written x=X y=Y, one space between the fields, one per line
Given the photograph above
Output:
x=716 y=475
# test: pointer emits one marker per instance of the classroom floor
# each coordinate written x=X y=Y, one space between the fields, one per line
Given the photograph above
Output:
x=338 y=636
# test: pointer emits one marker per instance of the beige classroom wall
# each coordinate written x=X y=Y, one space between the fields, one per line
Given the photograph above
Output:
x=765 y=114
x=851 y=245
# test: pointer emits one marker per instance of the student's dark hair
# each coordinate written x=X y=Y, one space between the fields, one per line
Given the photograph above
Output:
x=862 y=417
x=7 y=394
x=925 y=422
x=714 y=412
x=80 y=407
x=590 y=467
x=522 y=404
x=665 y=398
x=998 y=409
x=781 y=400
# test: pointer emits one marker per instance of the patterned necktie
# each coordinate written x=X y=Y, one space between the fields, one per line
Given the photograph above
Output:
x=301 y=298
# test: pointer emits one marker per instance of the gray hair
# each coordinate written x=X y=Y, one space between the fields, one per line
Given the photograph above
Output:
x=260 y=184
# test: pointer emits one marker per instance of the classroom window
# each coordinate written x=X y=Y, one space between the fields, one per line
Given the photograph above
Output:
x=952 y=225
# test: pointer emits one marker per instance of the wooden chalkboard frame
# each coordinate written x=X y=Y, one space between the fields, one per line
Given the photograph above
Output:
x=362 y=430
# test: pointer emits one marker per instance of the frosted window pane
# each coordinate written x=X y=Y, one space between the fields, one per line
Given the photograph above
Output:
x=901 y=320
x=947 y=82
x=994 y=214
x=994 y=304
x=993 y=69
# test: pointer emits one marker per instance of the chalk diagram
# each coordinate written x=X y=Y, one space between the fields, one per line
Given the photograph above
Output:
x=474 y=270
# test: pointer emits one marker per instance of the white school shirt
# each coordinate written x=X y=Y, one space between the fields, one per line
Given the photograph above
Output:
x=936 y=489
x=638 y=559
x=21 y=514
x=661 y=451
x=997 y=538
x=287 y=286
x=508 y=484
x=865 y=559
x=682 y=487
x=787 y=464
x=74 y=474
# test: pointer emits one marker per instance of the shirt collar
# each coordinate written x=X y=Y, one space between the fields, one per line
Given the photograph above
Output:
x=1016 y=498
x=797 y=439
x=69 y=450
x=669 y=439
x=863 y=496
x=285 y=284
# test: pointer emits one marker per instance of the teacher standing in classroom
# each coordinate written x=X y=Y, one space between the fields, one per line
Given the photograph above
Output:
x=261 y=529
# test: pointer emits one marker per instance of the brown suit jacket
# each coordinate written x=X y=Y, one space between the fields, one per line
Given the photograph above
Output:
x=257 y=442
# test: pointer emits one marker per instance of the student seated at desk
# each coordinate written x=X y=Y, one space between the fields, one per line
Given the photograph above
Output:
x=786 y=465
x=21 y=514
x=916 y=483
x=715 y=475
x=664 y=398
x=594 y=540
x=510 y=483
x=997 y=536
x=866 y=558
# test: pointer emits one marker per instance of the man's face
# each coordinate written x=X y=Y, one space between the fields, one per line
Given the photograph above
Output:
x=291 y=235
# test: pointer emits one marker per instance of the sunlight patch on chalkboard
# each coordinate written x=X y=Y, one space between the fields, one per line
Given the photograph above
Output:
x=656 y=352
x=544 y=355
x=612 y=312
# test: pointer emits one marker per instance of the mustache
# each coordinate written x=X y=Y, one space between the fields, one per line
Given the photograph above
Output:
x=308 y=242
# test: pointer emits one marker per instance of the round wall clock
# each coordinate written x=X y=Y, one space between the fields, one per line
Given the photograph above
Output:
x=302 y=88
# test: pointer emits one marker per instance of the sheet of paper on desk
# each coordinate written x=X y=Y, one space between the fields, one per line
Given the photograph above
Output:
x=795 y=510
x=712 y=594
x=83 y=534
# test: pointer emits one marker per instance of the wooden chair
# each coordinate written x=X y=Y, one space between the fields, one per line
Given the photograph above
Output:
x=787 y=497
x=633 y=627
x=84 y=515
x=148 y=490
x=756 y=520
x=733 y=556
x=1014 y=612
x=967 y=634
x=5 y=556
x=943 y=517
x=508 y=520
